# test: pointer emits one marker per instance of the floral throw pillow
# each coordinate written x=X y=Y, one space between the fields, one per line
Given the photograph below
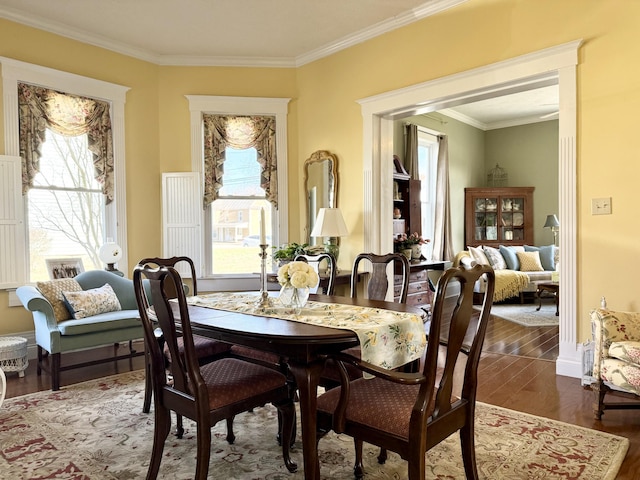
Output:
x=92 y=302
x=495 y=258
x=52 y=291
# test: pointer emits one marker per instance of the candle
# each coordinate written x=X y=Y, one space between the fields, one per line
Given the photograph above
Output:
x=263 y=240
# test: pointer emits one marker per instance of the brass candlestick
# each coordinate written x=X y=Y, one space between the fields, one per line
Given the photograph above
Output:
x=263 y=301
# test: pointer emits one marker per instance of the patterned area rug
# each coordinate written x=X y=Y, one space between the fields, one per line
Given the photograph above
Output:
x=96 y=430
x=527 y=315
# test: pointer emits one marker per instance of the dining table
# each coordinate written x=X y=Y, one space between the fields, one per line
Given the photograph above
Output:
x=305 y=344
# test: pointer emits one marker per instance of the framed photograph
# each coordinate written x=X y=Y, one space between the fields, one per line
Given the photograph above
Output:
x=64 y=267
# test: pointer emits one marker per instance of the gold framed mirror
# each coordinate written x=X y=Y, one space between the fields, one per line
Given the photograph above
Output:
x=321 y=188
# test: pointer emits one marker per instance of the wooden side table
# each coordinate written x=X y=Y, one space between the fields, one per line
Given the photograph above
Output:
x=552 y=287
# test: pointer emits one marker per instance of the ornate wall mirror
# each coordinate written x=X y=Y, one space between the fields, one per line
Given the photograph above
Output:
x=321 y=187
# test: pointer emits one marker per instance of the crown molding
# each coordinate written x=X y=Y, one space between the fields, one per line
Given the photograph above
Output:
x=89 y=38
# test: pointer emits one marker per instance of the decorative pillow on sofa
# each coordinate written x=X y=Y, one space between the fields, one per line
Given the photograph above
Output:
x=547 y=255
x=92 y=302
x=509 y=255
x=52 y=291
x=529 y=261
x=495 y=258
x=477 y=253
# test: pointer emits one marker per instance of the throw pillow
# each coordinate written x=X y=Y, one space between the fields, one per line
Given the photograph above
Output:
x=92 y=302
x=529 y=261
x=477 y=253
x=547 y=254
x=52 y=291
x=495 y=258
x=509 y=255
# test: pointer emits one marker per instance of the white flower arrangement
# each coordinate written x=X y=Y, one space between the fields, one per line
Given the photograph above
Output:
x=298 y=274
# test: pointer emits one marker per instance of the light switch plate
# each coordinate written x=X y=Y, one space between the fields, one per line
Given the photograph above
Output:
x=601 y=206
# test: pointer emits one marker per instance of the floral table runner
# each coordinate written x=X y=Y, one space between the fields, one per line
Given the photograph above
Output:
x=388 y=339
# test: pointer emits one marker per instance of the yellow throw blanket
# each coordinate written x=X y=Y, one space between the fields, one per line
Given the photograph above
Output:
x=509 y=283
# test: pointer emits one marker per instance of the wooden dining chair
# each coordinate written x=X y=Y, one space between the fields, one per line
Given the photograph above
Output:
x=409 y=413
x=206 y=349
x=206 y=394
x=376 y=290
x=315 y=261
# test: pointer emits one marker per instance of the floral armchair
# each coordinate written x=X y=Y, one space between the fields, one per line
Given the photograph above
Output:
x=616 y=365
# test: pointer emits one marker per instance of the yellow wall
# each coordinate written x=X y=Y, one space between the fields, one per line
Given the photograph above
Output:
x=325 y=115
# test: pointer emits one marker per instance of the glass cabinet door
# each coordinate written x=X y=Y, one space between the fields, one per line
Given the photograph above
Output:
x=486 y=219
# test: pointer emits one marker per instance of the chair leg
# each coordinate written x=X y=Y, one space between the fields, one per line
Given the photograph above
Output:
x=230 y=435
x=179 y=426
x=382 y=456
x=467 y=442
x=358 y=469
x=40 y=359
x=204 y=452
x=55 y=371
x=160 y=434
x=599 y=391
x=287 y=412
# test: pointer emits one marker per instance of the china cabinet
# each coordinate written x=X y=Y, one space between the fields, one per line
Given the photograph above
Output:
x=406 y=205
x=499 y=216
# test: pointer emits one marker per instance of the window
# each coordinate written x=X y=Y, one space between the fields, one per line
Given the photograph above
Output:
x=227 y=251
x=427 y=167
x=235 y=215
x=64 y=214
x=66 y=207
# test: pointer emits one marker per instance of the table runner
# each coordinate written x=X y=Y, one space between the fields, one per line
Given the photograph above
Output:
x=388 y=339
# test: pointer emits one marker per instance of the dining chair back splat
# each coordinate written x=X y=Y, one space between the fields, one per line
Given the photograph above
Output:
x=315 y=261
x=206 y=394
x=409 y=413
x=207 y=349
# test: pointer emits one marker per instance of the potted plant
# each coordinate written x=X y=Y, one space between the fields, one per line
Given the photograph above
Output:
x=288 y=251
x=410 y=245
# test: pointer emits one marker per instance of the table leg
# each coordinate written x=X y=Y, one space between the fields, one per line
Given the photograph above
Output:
x=307 y=377
x=539 y=294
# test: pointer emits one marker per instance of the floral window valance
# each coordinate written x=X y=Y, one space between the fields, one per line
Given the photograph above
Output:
x=41 y=108
x=240 y=132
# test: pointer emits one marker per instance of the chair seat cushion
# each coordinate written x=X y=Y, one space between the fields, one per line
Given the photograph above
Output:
x=230 y=381
x=206 y=349
x=627 y=351
x=100 y=323
x=380 y=404
x=621 y=374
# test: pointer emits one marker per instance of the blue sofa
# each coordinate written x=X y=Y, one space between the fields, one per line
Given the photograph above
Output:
x=55 y=337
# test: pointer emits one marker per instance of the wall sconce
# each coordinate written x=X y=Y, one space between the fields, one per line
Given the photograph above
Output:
x=553 y=223
x=330 y=224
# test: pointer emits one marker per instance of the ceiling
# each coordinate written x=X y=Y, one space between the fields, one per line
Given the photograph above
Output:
x=274 y=33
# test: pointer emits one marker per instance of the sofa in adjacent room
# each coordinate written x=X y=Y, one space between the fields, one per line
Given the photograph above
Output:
x=519 y=269
x=93 y=309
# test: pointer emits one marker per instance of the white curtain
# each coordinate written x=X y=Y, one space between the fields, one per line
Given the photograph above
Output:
x=442 y=243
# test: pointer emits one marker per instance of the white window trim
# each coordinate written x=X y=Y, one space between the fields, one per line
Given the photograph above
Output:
x=220 y=105
x=13 y=72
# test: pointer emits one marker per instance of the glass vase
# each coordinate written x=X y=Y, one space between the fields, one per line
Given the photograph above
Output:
x=294 y=298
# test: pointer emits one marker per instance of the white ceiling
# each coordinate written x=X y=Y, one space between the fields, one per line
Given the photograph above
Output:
x=276 y=33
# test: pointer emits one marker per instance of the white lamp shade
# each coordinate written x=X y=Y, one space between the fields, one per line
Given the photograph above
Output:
x=329 y=224
x=110 y=253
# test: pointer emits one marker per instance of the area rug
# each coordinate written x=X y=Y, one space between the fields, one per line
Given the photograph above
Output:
x=527 y=315
x=96 y=430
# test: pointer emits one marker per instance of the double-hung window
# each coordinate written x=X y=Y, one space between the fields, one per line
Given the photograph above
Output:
x=64 y=135
x=427 y=168
x=239 y=163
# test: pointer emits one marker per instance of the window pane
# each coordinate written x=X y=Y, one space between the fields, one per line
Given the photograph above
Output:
x=65 y=207
x=236 y=234
x=241 y=176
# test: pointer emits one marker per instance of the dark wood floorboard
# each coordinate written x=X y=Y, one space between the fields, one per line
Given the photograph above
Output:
x=517 y=371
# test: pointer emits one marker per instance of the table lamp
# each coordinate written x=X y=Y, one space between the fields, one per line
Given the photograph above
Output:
x=553 y=223
x=110 y=253
x=330 y=224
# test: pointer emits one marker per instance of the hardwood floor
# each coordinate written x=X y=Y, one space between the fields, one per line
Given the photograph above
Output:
x=517 y=371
